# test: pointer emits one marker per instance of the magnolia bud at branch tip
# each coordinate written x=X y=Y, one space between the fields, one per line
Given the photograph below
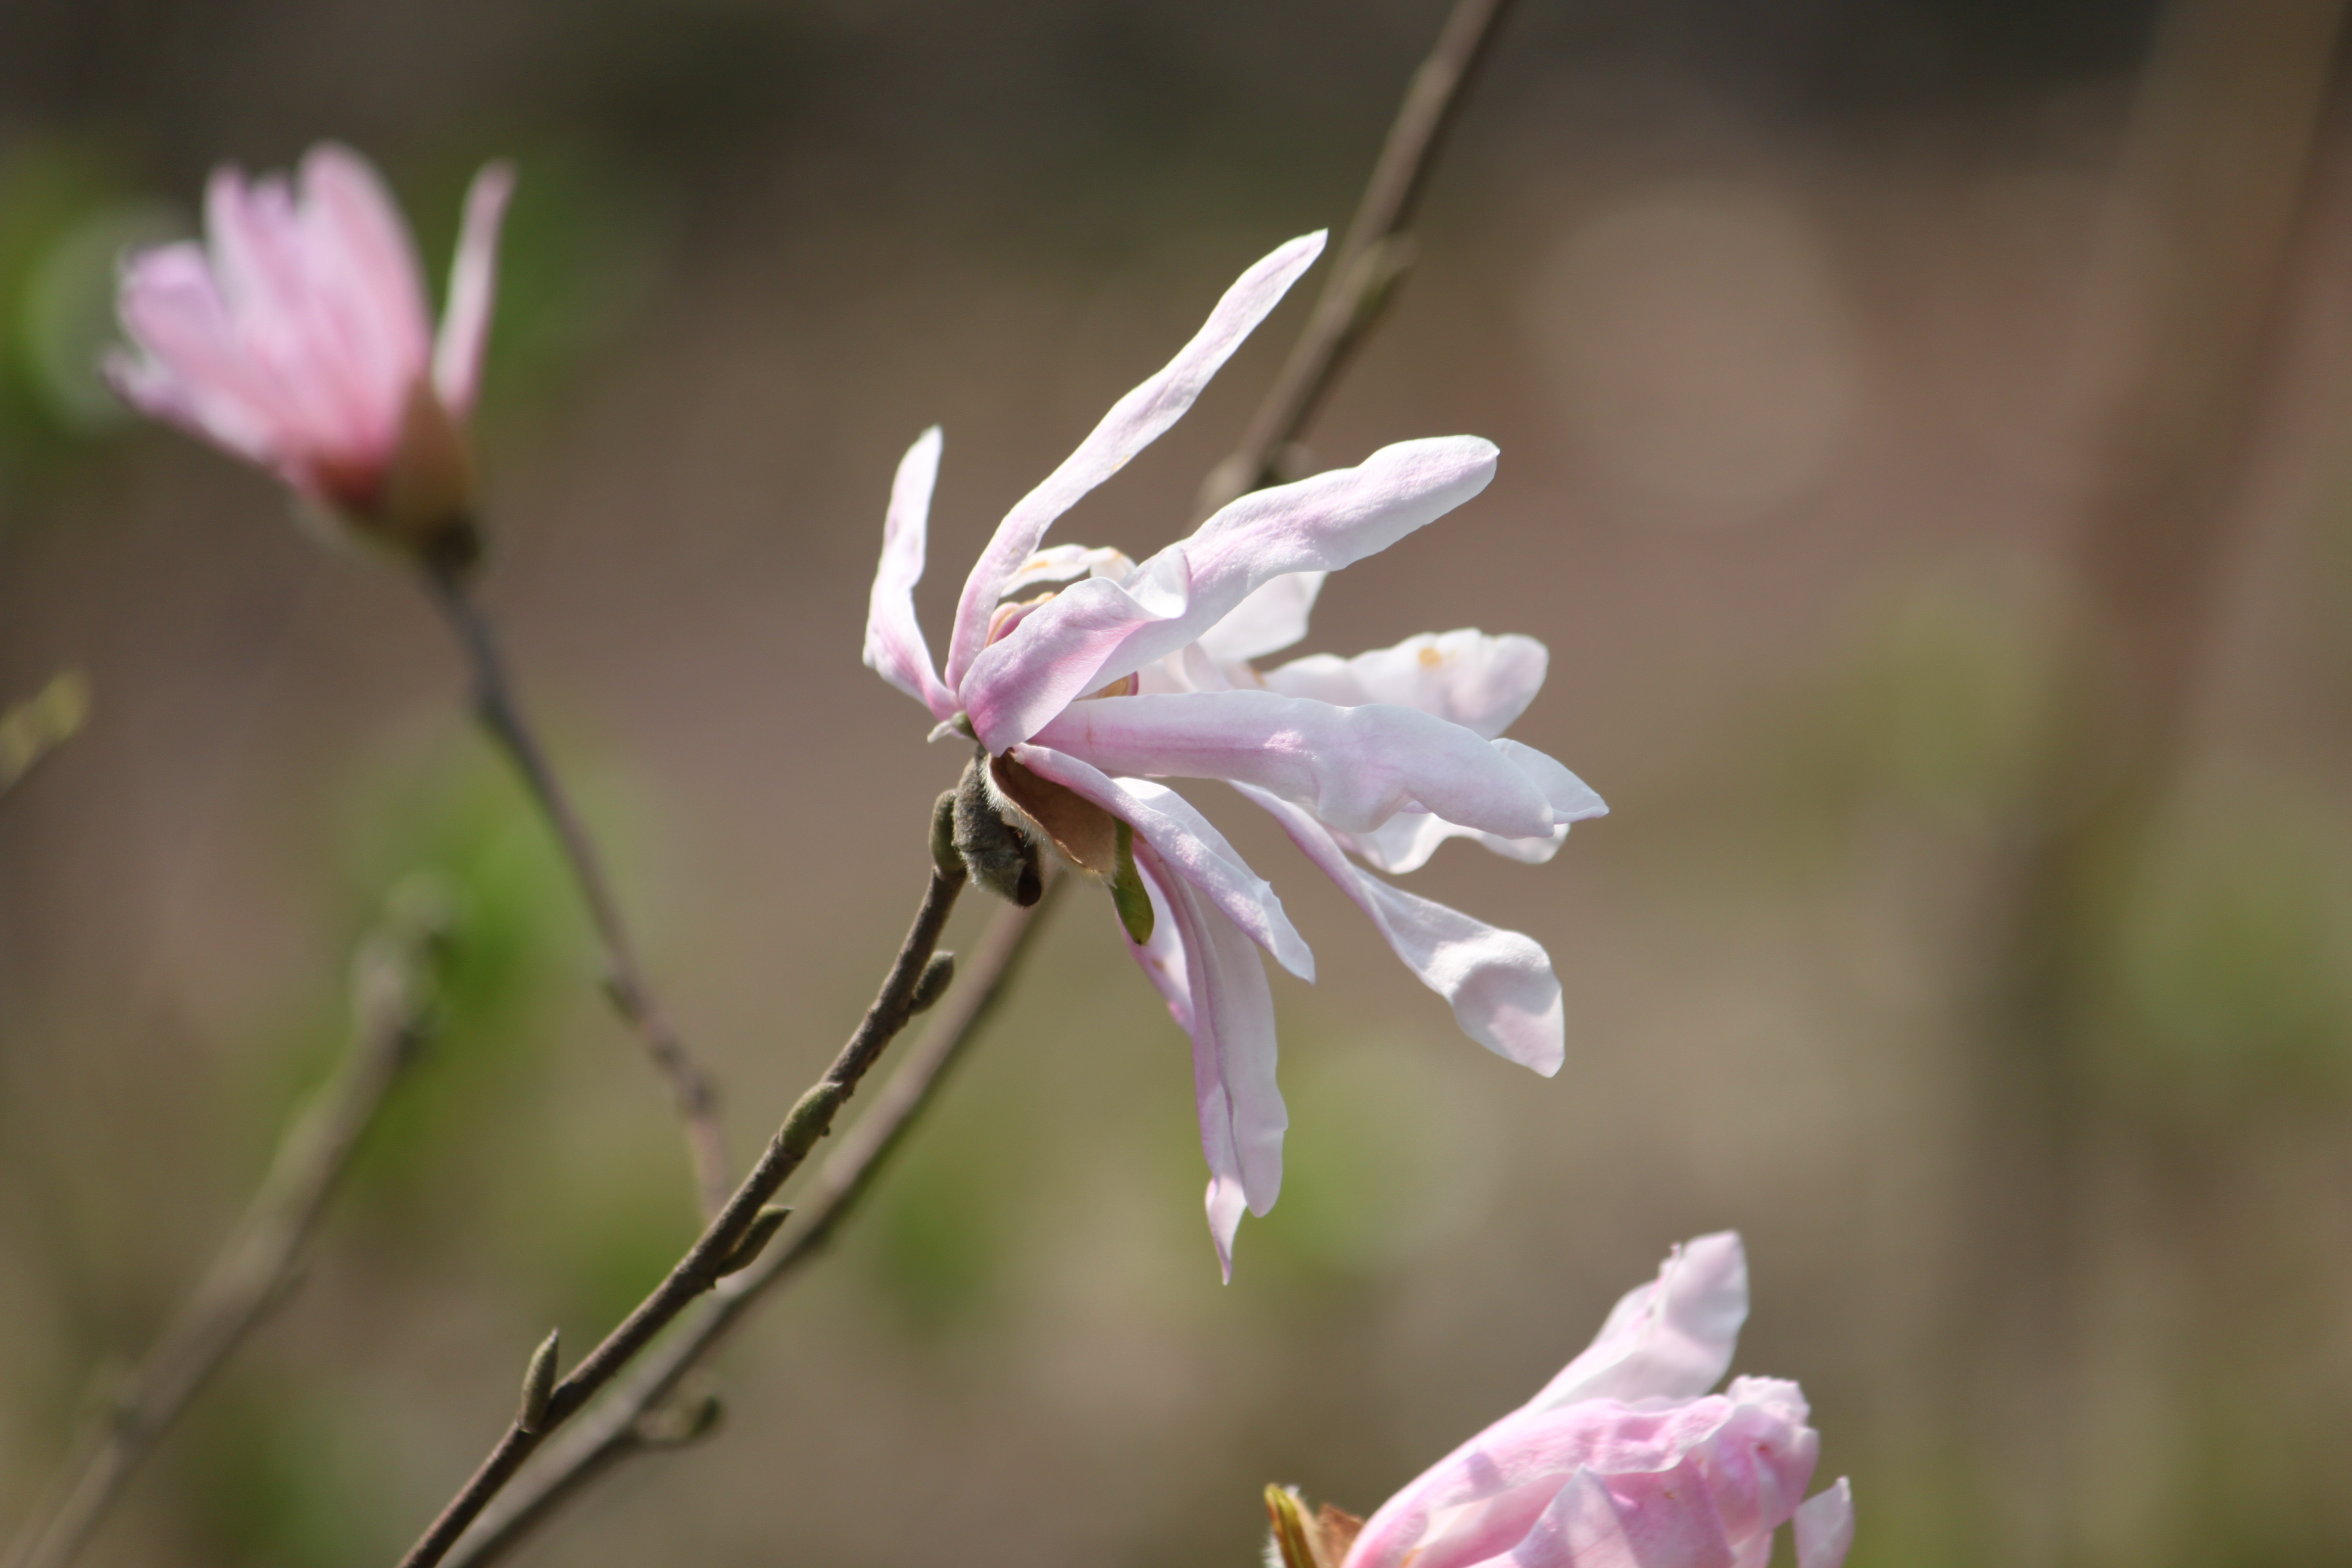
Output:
x=756 y=1236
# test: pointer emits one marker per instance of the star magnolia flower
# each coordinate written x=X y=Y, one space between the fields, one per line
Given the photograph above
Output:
x=296 y=337
x=1623 y=1460
x=1080 y=699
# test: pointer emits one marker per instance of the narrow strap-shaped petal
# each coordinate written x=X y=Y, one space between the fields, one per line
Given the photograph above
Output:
x=1353 y=767
x=1190 y=846
x=363 y=274
x=1825 y=1527
x=1134 y=422
x=1098 y=631
x=1163 y=957
x=894 y=638
x=1499 y=983
x=1482 y=683
x=1241 y=1109
x=473 y=284
x=1671 y=1338
x=1406 y=841
x=259 y=266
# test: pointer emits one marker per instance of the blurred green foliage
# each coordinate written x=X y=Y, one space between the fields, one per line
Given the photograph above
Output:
x=2234 y=960
x=272 y=1479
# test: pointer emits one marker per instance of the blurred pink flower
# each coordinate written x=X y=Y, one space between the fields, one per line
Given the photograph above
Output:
x=298 y=337
x=1081 y=699
x=1623 y=1460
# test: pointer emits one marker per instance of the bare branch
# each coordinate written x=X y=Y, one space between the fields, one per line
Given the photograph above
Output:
x=1372 y=260
x=721 y=1241
x=619 y=1425
x=501 y=714
x=256 y=1268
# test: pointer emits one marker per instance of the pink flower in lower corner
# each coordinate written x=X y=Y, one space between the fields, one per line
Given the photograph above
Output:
x=1082 y=696
x=296 y=336
x=1623 y=1460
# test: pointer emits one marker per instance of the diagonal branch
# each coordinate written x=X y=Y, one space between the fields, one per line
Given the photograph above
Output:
x=630 y=1420
x=256 y=1268
x=501 y=714
x=1372 y=261
x=729 y=1243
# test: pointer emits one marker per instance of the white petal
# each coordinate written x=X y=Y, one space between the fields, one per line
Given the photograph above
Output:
x=1134 y=422
x=1499 y=983
x=1270 y=619
x=1479 y=683
x=894 y=639
x=473 y=284
x=1189 y=845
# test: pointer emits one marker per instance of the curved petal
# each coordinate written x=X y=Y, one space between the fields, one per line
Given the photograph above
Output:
x=1671 y=1338
x=361 y=275
x=1134 y=422
x=1190 y=846
x=1479 y=683
x=259 y=266
x=1270 y=619
x=473 y=283
x=1825 y=1527
x=1353 y=767
x=894 y=647
x=1406 y=841
x=1163 y=957
x=1097 y=632
x=1060 y=563
x=1240 y=1110
x=1499 y=984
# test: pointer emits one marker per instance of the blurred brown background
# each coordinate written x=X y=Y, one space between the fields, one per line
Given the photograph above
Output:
x=1787 y=317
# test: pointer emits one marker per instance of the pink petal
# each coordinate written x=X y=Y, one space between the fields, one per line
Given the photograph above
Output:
x=1479 y=683
x=261 y=262
x=1134 y=422
x=1189 y=848
x=1671 y=1338
x=472 y=283
x=1648 y=1520
x=1270 y=619
x=1825 y=1527
x=190 y=369
x=362 y=274
x=1500 y=983
x=1241 y=1109
x=1353 y=767
x=1098 y=631
x=894 y=638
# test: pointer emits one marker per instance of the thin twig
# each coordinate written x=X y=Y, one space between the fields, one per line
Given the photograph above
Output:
x=717 y=1252
x=501 y=714
x=627 y=1421
x=256 y=1268
x=1372 y=261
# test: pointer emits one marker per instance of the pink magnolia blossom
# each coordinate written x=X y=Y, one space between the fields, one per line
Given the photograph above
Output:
x=1081 y=699
x=296 y=337
x=1623 y=1460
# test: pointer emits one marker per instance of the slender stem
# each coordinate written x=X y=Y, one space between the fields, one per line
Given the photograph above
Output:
x=256 y=1267
x=1372 y=260
x=501 y=714
x=618 y=1427
x=707 y=1260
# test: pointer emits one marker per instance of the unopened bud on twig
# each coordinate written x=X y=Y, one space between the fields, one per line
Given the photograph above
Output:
x=538 y=1382
x=932 y=985
x=943 y=846
x=756 y=1236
